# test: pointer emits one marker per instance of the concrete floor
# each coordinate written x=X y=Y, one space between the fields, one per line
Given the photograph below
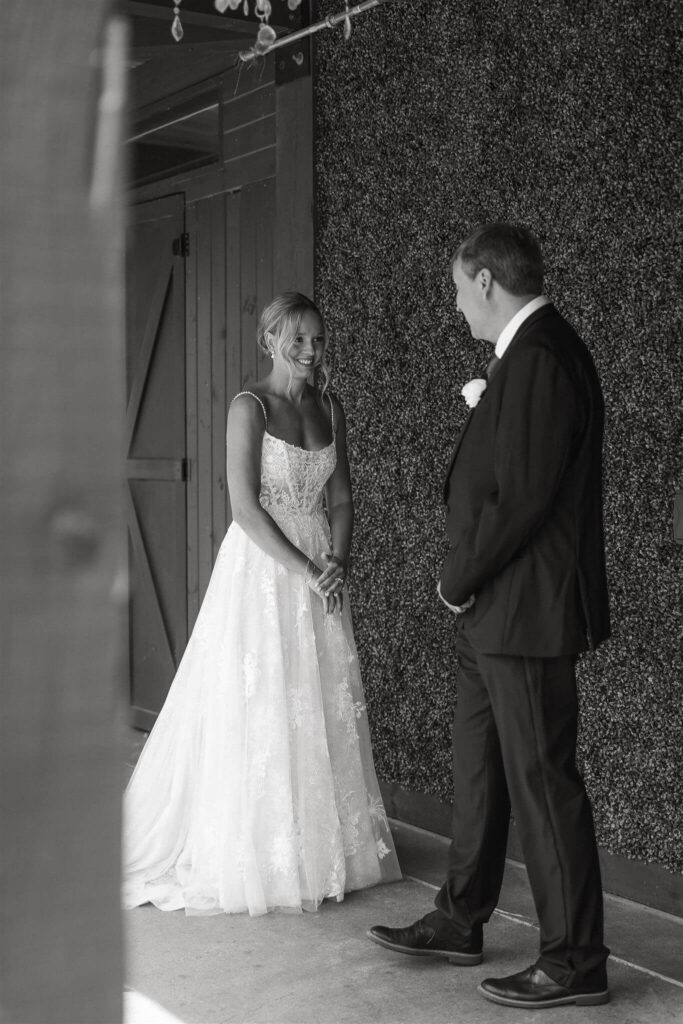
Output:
x=321 y=969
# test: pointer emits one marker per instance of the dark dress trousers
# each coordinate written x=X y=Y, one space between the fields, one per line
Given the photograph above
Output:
x=524 y=522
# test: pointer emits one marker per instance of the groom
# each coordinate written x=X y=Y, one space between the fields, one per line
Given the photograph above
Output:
x=525 y=575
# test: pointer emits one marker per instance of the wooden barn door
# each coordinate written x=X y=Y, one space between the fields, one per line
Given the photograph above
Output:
x=156 y=464
x=191 y=347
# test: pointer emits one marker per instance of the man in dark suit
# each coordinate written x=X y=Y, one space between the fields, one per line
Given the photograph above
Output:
x=525 y=575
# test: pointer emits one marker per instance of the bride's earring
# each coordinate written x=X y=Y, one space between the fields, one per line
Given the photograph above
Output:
x=270 y=346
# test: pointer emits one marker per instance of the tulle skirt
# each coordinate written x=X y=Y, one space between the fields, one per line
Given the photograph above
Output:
x=256 y=788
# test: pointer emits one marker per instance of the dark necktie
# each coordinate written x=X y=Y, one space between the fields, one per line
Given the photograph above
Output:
x=494 y=363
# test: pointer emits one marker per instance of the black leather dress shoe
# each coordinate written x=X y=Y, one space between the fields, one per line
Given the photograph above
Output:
x=425 y=938
x=533 y=989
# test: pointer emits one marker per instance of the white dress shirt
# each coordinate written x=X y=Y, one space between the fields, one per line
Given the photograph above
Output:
x=512 y=326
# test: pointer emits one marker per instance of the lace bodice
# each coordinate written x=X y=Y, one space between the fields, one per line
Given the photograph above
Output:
x=293 y=479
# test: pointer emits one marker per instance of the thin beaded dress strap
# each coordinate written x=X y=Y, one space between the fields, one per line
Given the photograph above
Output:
x=265 y=415
x=329 y=398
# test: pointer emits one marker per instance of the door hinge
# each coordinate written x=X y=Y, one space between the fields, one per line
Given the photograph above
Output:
x=184 y=470
x=181 y=245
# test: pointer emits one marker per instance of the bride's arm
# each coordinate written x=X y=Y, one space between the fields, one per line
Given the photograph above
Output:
x=339 y=506
x=243 y=451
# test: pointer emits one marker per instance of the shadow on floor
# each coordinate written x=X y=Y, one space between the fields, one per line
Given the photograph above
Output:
x=321 y=969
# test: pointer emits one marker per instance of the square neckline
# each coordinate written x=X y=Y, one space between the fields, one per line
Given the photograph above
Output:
x=297 y=447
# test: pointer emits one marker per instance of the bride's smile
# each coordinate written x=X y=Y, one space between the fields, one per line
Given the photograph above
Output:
x=307 y=348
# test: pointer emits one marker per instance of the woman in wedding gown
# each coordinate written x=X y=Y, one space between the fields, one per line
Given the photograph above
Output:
x=256 y=788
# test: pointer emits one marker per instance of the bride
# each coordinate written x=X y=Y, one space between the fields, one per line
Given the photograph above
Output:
x=256 y=788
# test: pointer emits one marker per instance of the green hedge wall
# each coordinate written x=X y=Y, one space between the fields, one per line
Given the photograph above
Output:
x=563 y=115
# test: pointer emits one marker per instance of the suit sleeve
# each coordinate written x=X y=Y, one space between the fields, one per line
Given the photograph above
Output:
x=537 y=424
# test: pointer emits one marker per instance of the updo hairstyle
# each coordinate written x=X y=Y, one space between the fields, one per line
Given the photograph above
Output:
x=282 y=318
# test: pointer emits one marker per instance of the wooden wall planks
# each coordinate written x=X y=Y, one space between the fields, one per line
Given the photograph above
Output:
x=191 y=420
x=202 y=340
x=249 y=138
x=245 y=327
x=230 y=279
x=294 y=249
x=218 y=373
x=252 y=106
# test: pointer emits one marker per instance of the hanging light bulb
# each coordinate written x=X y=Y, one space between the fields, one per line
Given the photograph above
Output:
x=265 y=38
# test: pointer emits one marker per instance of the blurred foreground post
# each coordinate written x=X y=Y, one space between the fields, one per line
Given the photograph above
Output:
x=62 y=596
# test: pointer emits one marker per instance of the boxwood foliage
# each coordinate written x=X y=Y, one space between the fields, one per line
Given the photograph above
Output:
x=435 y=116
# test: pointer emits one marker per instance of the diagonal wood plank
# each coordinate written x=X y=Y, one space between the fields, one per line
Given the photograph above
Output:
x=151 y=333
x=146 y=582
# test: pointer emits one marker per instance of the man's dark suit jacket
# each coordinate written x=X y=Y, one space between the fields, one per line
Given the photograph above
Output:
x=524 y=498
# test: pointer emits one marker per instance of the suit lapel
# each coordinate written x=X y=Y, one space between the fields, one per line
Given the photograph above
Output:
x=521 y=331
x=455 y=451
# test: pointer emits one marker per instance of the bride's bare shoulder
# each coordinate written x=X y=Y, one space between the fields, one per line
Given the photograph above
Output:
x=248 y=411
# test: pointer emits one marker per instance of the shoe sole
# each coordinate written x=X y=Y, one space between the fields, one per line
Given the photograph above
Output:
x=461 y=959
x=584 y=999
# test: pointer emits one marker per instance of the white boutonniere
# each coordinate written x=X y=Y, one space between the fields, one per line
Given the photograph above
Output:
x=473 y=391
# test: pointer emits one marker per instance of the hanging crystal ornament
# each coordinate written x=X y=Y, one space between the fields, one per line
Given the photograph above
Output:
x=259 y=6
x=177 y=28
x=222 y=5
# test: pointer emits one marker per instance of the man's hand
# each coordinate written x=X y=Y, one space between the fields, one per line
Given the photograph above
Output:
x=457 y=609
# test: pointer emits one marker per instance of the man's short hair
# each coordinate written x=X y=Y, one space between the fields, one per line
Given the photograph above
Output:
x=510 y=252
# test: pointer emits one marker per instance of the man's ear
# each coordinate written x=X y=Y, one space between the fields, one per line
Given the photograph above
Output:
x=484 y=280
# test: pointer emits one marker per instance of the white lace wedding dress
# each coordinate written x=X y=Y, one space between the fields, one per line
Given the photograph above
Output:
x=256 y=788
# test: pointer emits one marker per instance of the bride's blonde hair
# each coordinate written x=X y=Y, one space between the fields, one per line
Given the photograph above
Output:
x=282 y=318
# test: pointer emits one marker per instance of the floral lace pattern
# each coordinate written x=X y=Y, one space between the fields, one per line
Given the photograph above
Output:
x=256 y=788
